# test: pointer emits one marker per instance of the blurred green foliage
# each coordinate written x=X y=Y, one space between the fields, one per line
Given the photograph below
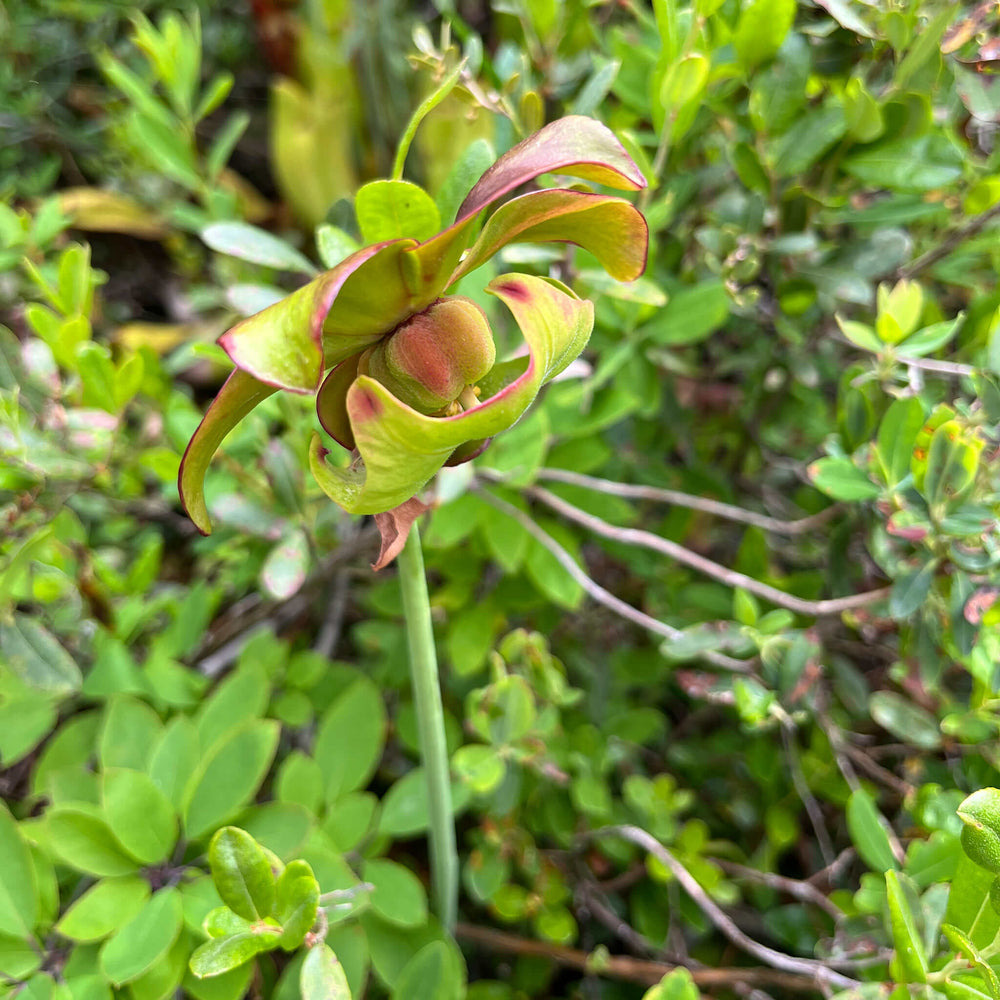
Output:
x=813 y=349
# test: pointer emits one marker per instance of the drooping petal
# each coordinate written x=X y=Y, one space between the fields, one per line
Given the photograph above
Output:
x=240 y=394
x=400 y=449
x=575 y=145
x=394 y=527
x=284 y=344
x=612 y=229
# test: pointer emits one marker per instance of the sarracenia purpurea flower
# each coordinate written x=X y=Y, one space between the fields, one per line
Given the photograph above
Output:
x=411 y=377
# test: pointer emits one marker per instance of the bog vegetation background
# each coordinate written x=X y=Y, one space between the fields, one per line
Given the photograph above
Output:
x=717 y=618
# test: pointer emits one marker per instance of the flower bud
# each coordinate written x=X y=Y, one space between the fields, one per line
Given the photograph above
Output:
x=980 y=812
x=428 y=360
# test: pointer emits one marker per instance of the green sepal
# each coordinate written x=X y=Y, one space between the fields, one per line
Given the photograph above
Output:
x=240 y=394
x=612 y=229
x=283 y=345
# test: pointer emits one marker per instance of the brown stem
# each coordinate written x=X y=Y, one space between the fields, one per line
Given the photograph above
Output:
x=678 y=499
x=633 y=970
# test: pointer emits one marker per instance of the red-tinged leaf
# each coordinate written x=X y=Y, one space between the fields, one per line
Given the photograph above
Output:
x=401 y=449
x=394 y=527
x=579 y=146
x=612 y=229
x=240 y=394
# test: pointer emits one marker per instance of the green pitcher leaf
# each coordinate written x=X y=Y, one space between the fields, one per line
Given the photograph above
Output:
x=322 y=976
x=104 y=908
x=140 y=816
x=242 y=873
x=612 y=229
x=401 y=449
x=18 y=887
x=240 y=394
x=145 y=939
x=575 y=145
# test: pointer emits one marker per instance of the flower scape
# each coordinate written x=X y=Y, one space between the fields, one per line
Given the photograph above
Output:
x=406 y=376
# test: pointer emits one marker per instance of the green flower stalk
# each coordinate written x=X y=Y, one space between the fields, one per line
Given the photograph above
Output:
x=406 y=375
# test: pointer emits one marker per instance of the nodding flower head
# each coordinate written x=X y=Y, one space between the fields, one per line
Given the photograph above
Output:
x=405 y=375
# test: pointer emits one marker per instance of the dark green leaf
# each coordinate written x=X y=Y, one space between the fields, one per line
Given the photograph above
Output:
x=432 y=974
x=911 y=589
x=350 y=737
x=910 y=963
x=905 y=720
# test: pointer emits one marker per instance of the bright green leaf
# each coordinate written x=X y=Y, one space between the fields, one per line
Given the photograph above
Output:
x=242 y=873
x=145 y=939
x=392 y=210
x=868 y=830
x=104 y=908
x=228 y=776
x=18 y=887
x=139 y=814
